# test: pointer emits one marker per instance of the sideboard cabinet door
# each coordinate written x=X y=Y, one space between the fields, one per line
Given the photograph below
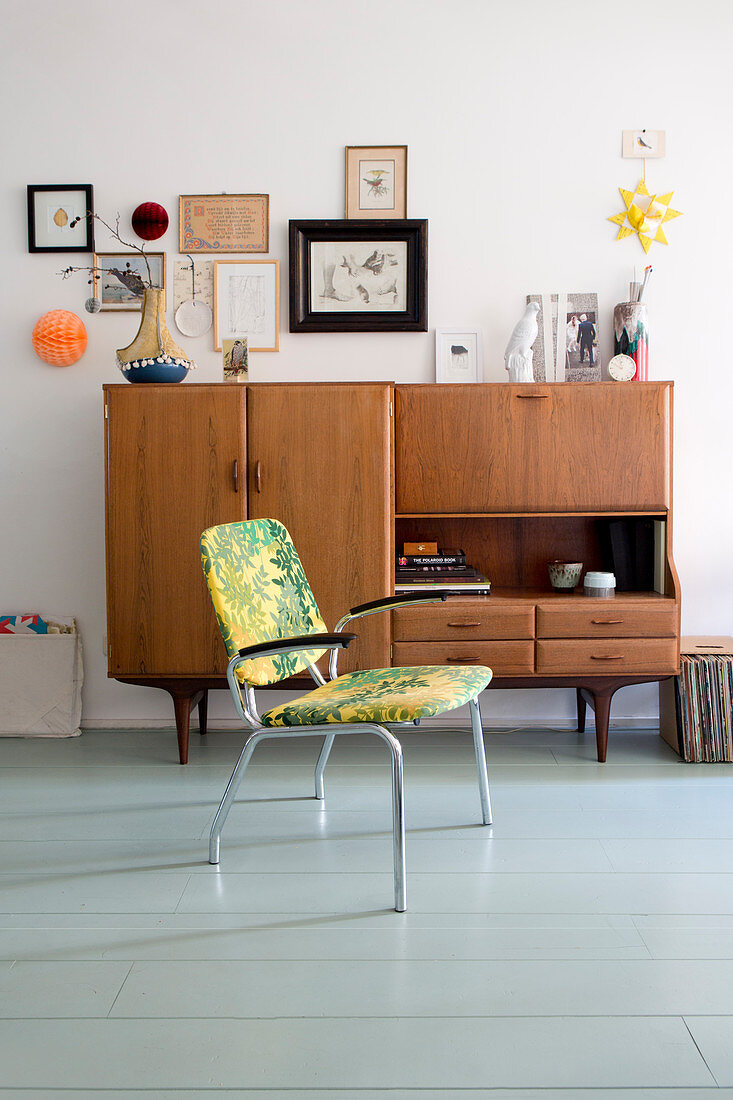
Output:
x=175 y=461
x=583 y=447
x=320 y=462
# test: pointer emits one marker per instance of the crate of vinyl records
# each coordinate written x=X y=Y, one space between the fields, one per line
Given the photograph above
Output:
x=696 y=707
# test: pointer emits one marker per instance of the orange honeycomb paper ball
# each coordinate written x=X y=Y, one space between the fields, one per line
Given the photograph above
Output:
x=60 y=338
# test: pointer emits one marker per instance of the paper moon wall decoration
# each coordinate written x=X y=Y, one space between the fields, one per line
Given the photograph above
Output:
x=644 y=215
x=150 y=220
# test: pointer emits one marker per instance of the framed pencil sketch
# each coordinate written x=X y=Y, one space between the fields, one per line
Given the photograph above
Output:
x=247 y=303
x=458 y=355
x=359 y=276
x=376 y=181
x=223 y=223
x=58 y=217
x=121 y=277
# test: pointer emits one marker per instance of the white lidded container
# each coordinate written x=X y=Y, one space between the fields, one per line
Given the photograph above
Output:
x=599 y=584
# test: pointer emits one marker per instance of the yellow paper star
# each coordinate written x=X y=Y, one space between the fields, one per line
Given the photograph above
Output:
x=644 y=215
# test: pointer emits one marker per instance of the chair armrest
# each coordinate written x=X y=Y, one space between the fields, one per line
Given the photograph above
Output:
x=292 y=645
x=389 y=603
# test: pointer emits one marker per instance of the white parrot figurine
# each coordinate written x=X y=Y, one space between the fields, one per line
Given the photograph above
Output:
x=518 y=354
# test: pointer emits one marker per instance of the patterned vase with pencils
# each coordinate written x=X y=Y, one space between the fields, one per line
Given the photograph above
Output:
x=631 y=336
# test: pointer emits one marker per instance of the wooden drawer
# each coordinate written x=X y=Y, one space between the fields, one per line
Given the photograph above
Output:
x=462 y=618
x=607 y=618
x=612 y=657
x=505 y=658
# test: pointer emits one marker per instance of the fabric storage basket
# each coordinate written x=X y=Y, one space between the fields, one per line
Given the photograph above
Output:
x=41 y=678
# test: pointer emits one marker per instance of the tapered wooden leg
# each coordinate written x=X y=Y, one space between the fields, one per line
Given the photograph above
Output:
x=203 y=711
x=581 y=709
x=602 y=708
x=182 y=706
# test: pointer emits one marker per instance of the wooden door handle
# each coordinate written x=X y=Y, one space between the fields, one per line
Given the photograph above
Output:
x=606 y=622
x=459 y=625
x=461 y=660
x=258 y=476
x=235 y=475
x=607 y=657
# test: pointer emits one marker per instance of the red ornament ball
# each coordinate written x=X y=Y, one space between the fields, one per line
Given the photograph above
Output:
x=59 y=337
x=150 y=220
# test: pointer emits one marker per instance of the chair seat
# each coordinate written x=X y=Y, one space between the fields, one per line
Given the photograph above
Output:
x=384 y=695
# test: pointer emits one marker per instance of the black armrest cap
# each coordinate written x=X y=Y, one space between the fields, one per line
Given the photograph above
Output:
x=303 y=641
x=404 y=597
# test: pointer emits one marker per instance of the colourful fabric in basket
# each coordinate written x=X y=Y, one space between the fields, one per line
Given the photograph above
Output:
x=22 y=624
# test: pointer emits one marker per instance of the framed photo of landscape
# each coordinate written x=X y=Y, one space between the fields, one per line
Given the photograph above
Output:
x=376 y=181
x=359 y=276
x=121 y=277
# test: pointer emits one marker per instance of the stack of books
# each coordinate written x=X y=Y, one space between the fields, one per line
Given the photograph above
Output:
x=447 y=571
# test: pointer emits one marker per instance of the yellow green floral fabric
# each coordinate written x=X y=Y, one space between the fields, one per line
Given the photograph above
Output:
x=384 y=695
x=260 y=593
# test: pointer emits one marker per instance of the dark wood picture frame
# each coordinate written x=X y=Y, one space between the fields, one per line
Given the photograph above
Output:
x=412 y=232
x=36 y=189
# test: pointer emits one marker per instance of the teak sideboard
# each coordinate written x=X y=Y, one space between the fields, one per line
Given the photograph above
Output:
x=516 y=475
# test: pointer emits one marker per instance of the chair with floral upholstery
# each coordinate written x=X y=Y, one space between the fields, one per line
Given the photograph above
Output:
x=272 y=629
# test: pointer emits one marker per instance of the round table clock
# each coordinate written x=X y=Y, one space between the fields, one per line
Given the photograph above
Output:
x=621 y=368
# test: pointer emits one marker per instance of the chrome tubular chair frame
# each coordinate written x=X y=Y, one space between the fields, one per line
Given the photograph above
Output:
x=266 y=644
x=246 y=708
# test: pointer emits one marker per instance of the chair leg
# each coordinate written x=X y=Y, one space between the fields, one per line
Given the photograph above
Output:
x=328 y=741
x=478 y=744
x=398 y=821
x=229 y=795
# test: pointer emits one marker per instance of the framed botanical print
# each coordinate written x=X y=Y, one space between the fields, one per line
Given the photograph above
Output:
x=247 y=303
x=376 y=181
x=59 y=217
x=358 y=276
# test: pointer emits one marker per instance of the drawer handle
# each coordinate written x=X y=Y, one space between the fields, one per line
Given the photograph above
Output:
x=606 y=622
x=459 y=625
x=461 y=660
x=532 y=396
x=607 y=657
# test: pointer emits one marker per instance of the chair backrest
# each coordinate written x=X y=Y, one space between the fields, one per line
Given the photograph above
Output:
x=260 y=593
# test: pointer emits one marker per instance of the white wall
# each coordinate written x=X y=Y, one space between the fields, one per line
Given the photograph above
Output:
x=513 y=116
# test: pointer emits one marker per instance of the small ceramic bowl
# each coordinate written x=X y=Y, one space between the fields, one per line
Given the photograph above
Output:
x=564 y=574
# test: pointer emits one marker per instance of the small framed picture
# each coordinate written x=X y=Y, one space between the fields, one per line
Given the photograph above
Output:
x=247 y=303
x=59 y=217
x=236 y=368
x=359 y=276
x=376 y=181
x=643 y=144
x=121 y=277
x=457 y=355
x=223 y=223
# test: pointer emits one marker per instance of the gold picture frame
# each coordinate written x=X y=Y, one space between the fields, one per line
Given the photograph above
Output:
x=223 y=223
x=376 y=181
x=247 y=303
